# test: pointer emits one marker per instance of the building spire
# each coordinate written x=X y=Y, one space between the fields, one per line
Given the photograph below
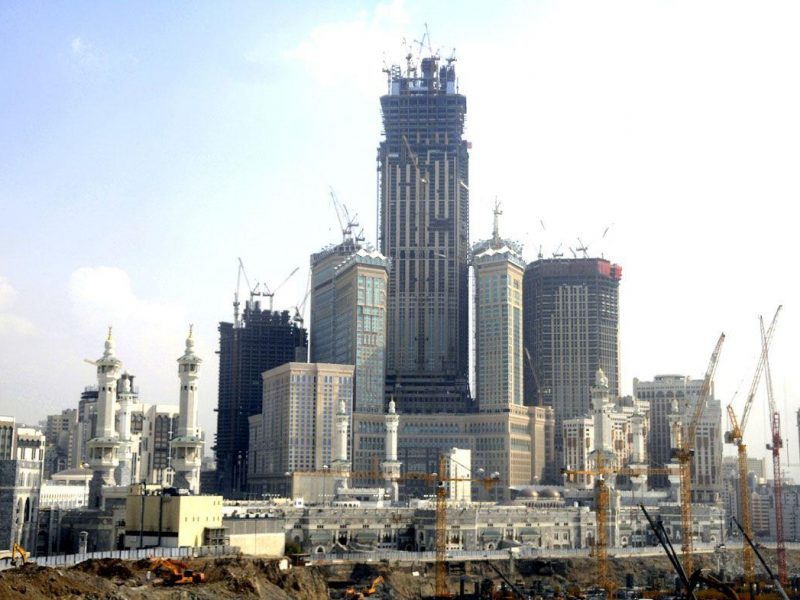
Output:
x=496 y=241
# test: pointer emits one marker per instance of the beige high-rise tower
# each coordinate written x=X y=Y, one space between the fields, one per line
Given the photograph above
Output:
x=503 y=441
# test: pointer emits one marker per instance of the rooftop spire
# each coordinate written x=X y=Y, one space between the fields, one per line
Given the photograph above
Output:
x=496 y=241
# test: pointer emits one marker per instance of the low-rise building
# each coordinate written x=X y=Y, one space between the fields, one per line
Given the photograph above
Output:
x=171 y=520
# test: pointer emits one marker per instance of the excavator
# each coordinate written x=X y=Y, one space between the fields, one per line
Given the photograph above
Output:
x=17 y=550
x=352 y=594
x=175 y=572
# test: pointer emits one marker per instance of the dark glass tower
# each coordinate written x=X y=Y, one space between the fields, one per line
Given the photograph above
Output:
x=261 y=341
x=570 y=329
x=423 y=209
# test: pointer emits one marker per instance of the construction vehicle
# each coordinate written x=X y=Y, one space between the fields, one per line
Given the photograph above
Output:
x=352 y=594
x=755 y=548
x=684 y=453
x=736 y=436
x=18 y=551
x=175 y=572
x=775 y=447
x=698 y=577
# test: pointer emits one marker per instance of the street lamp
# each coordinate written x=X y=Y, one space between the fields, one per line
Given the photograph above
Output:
x=287 y=484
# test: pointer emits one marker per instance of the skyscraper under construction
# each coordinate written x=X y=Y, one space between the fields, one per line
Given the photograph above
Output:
x=259 y=341
x=423 y=208
x=570 y=329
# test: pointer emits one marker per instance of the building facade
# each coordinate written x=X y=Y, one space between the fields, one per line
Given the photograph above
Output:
x=499 y=269
x=672 y=400
x=423 y=208
x=571 y=329
x=295 y=431
x=260 y=341
x=22 y=452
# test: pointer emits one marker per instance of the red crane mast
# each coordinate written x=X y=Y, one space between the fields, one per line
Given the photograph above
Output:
x=775 y=446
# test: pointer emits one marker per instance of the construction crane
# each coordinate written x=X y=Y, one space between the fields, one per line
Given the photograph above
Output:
x=540 y=391
x=300 y=308
x=601 y=472
x=259 y=289
x=775 y=446
x=347 y=223
x=684 y=453
x=736 y=436
x=749 y=541
x=414 y=160
x=694 y=580
x=442 y=481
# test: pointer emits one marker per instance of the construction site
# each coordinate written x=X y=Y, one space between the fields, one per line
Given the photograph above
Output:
x=251 y=577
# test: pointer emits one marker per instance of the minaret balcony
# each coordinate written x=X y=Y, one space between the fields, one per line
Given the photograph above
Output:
x=103 y=453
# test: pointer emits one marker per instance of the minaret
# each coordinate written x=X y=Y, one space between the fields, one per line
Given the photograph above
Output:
x=391 y=466
x=187 y=446
x=103 y=449
x=126 y=471
x=602 y=454
x=341 y=466
x=638 y=461
x=600 y=407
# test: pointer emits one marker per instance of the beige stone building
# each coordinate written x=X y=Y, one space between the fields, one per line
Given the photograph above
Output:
x=296 y=428
x=171 y=520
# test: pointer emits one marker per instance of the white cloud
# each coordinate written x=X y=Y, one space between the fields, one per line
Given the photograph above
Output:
x=85 y=55
x=346 y=51
x=149 y=335
x=104 y=295
x=77 y=45
x=10 y=322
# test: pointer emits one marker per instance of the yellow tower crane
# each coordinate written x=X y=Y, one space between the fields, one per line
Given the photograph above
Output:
x=442 y=482
x=736 y=436
x=601 y=473
x=684 y=453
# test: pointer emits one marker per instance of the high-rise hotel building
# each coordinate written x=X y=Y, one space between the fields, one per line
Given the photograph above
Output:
x=423 y=208
x=503 y=437
x=571 y=329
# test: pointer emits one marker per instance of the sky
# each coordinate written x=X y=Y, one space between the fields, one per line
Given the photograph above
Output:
x=145 y=146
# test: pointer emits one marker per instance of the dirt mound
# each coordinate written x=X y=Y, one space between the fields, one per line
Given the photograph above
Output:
x=39 y=583
x=108 y=568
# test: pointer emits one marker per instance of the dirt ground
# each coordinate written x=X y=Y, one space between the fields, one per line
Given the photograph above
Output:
x=243 y=577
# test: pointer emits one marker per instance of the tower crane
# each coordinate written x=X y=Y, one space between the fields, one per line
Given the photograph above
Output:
x=736 y=436
x=299 y=309
x=602 y=471
x=684 y=453
x=270 y=293
x=347 y=224
x=442 y=481
x=775 y=446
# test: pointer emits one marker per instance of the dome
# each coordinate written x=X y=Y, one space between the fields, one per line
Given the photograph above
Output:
x=528 y=493
x=549 y=494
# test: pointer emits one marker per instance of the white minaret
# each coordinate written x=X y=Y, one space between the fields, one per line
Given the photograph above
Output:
x=187 y=446
x=103 y=448
x=391 y=466
x=340 y=466
x=638 y=461
x=601 y=419
x=126 y=472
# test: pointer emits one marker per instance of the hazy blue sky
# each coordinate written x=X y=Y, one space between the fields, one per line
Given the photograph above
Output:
x=144 y=146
